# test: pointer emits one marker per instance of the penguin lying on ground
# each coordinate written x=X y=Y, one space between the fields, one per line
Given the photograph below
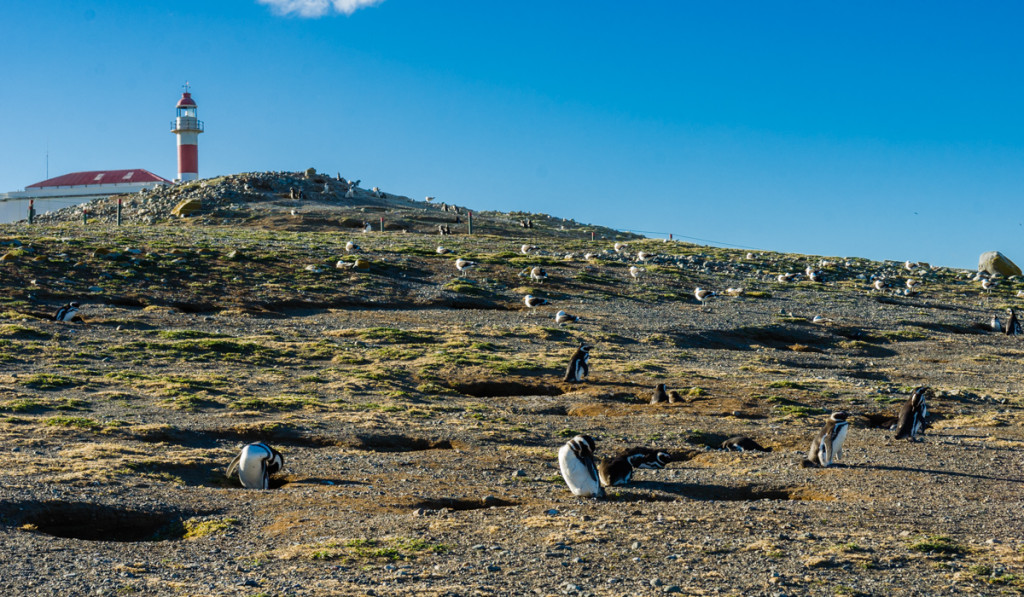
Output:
x=913 y=414
x=254 y=465
x=578 y=369
x=67 y=313
x=619 y=470
x=742 y=443
x=827 y=445
x=576 y=462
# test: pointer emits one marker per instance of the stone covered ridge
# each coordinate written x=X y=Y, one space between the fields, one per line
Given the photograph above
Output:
x=309 y=200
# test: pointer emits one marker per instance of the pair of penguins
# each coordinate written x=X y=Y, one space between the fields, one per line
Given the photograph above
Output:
x=586 y=478
x=827 y=445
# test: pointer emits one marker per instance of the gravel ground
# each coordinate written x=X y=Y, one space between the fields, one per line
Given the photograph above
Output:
x=420 y=439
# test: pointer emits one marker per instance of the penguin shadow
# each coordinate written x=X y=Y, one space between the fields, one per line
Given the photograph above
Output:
x=907 y=469
x=295 y=480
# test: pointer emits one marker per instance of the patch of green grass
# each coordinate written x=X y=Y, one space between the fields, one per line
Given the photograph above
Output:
x=799 y=411
x=195 y=529
x=274 y=404
x=188 y=334
x=23 y=332
x=463 y=286
x=938 y=544
x=785 y=384
x=73 y=422
x=397 y=336
x=47 y=381
x=568 y=433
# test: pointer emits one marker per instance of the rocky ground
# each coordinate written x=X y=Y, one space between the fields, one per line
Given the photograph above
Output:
x=420 y=410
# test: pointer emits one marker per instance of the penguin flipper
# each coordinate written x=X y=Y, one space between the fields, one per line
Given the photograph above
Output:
x=232 y=469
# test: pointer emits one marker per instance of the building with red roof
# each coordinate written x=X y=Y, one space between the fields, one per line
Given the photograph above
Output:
x=90 y=185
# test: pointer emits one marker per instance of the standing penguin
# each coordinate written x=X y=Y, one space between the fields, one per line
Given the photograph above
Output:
x=576 y=462
x=659 y=394
x=1012 y=324
x=619 y=470
x=67 y=313
x=254 y=465
x=578 y=368
x=827 y=445
x=913 y=414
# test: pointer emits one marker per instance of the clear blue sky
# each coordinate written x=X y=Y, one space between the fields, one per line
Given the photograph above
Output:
x=876 y=129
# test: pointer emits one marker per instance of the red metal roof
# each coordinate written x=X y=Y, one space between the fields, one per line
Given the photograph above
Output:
x=186 y=101
x=97 y=177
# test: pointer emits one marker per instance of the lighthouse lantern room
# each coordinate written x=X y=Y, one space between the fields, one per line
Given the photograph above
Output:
x=187 y=127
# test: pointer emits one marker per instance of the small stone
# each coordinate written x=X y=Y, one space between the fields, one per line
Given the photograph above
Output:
x=673 y=589
x=656 y=582
x=494 y=568
x=552 y=512
x=519 y=473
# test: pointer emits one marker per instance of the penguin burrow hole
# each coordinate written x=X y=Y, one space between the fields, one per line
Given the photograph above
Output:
x=462 y=504
x=498 y=389
x=96 y=522
x=752 y=493
x=401 y=443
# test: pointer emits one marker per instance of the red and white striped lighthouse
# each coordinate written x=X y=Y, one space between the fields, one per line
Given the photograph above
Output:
x=187 y=127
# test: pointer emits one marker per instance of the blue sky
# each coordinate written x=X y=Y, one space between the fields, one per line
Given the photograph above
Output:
x=877 y=129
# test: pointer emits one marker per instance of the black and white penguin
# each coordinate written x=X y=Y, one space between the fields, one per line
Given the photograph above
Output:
x=660 y=395
x=576 y=462
x=913 y=414
x=742 y=443
x=67 y=312
x=827 y=445
x=254 y=465
x=1012 y=324
x=578 y=368
x=619 y=470
x=995 y=325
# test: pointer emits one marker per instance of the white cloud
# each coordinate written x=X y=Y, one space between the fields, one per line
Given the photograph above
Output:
x=317 y=8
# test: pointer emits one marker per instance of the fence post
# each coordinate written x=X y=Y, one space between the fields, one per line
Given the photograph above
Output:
x=470 y=222
x=31 y=210
x=85 y=216
x=382 y=223
x=118 y=211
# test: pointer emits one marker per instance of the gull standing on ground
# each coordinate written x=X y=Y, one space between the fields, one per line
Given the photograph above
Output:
x=636 y=272
x=537 y=274
x=703 y=295
x=463 y=264
x=532 y=302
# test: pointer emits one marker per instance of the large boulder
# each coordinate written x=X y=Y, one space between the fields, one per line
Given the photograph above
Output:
x=187 y=207
x=995 y=262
